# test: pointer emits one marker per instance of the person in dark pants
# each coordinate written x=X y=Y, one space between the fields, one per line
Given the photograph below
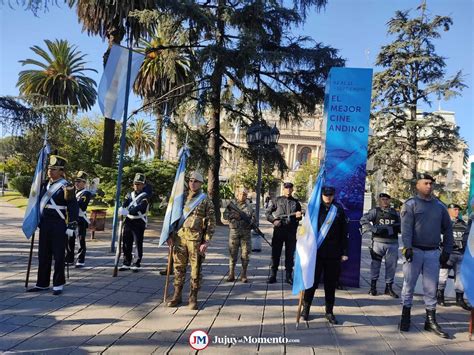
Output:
x=284 y=213
x=383 y=225
x=134 y=209
x=330 y=254
x=83 y=197
x=424 y=218
x=58 y=218
x=461 y=235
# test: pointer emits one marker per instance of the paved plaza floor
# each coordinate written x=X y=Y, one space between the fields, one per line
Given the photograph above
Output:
x=98 y=313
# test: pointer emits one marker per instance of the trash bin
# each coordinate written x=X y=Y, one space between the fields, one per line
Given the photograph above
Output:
x=97 y=219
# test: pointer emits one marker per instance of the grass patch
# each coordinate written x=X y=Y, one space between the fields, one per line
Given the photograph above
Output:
x=15 y=198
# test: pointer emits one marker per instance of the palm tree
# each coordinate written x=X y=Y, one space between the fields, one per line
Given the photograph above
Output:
x=59 y=79
x=166 y=71
x=140 y=138
x=110 y=21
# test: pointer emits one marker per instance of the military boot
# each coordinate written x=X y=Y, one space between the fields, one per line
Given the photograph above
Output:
x=289 y=277
x=329 y=314
x=193 y=299
x=404 y=325
x=273 y=277
x=243 y=274
x=432 y=326
x=176 y=300
x=460 y=301
x=440 y=297
x=373 y=288
x=231 y=277
x=389 y=290
x=305 y=311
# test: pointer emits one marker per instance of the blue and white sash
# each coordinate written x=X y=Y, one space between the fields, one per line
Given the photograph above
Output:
x=136 y=199
x=82 y=214
x=323 y=231
x=190 y=206
x=51 y=189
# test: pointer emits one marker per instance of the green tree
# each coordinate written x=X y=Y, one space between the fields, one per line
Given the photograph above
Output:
x=306 y=177
x=140 y=138
x=248 y=177
x=165 y=75
x=413 y=74
x=59 y=79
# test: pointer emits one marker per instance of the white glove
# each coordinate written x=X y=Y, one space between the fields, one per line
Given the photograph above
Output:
x=123 y=211
x=70 y=232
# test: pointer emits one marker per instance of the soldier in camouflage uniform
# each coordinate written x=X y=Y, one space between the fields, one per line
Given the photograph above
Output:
x=192 y=240
x=239 y=236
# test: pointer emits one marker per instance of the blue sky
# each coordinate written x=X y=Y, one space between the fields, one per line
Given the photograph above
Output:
x=356 y=27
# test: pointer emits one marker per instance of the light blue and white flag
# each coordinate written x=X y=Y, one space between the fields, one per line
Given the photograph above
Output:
x=32 y=214
x=308 y=240
x=113 y=84
x=174 y=210
x=467 y=266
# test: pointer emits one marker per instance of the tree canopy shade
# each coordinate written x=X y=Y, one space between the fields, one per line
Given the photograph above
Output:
x=413 y=73
x=59 y=79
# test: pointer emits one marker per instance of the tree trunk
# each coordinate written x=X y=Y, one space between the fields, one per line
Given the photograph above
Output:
x=115 y=36
x=159 y=137
x=214 y=124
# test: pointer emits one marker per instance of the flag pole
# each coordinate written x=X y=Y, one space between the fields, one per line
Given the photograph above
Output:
x=122 y=150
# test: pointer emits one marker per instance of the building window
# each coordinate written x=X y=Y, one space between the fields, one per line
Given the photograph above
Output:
x=305 y=155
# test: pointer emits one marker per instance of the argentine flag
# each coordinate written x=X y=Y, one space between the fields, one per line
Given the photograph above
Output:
x=113 y=84
x=308 y=241
x=174 y=210
x=467 y=266
x=32 y=214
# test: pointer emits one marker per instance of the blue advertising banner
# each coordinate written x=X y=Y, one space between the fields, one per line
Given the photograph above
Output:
x=346 y=112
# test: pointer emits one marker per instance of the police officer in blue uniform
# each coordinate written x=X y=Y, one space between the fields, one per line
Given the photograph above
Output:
x=83 y=197
x=59 y=213
x=331 y=253
x=455 y=259
x=423 y=219
x=284 y=213
x=134 y=210
x=383 y=225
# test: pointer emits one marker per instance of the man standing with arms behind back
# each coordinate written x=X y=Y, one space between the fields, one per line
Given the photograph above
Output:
x=424 y=218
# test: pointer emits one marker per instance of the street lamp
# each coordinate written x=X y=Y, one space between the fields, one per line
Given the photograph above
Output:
x=261 y=137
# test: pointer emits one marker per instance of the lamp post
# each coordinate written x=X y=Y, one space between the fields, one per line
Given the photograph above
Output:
x=261 y=137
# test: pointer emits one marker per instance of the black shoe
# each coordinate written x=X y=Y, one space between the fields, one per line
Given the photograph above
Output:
x=57 y=292
x=331 y=319
x=36 y=289
x=305 y=310
x=273 y=277
x=389 y=291
x=80 y=264
x=165 y=271
x=432 y=326
x=124 y=267
x=289 y=278
x=440 y=297
x=404 y=325
x=135 y=267
x=460 y=301
x=373 y=288
x=257 y=250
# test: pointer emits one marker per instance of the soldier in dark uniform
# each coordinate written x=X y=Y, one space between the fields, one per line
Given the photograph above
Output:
x=59 y=213
x=455 y=259
x=192 y=240
x=383 y=225
x=83 y=197
x=424 y=218
x=134 y=210
x=330 y=254
x=284 y=213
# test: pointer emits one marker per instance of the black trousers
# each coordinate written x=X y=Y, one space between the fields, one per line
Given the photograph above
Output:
x=331 y=269
x=52 y=242
x=287 y=236
x=133 y=231
x=81 y=253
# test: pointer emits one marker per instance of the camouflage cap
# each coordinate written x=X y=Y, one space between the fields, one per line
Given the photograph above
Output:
x=196 y=176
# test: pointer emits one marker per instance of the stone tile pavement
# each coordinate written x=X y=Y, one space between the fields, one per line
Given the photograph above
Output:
x=101 y=314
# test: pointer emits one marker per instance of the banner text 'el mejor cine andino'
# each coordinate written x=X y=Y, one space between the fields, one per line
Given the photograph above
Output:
x=346 y=112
